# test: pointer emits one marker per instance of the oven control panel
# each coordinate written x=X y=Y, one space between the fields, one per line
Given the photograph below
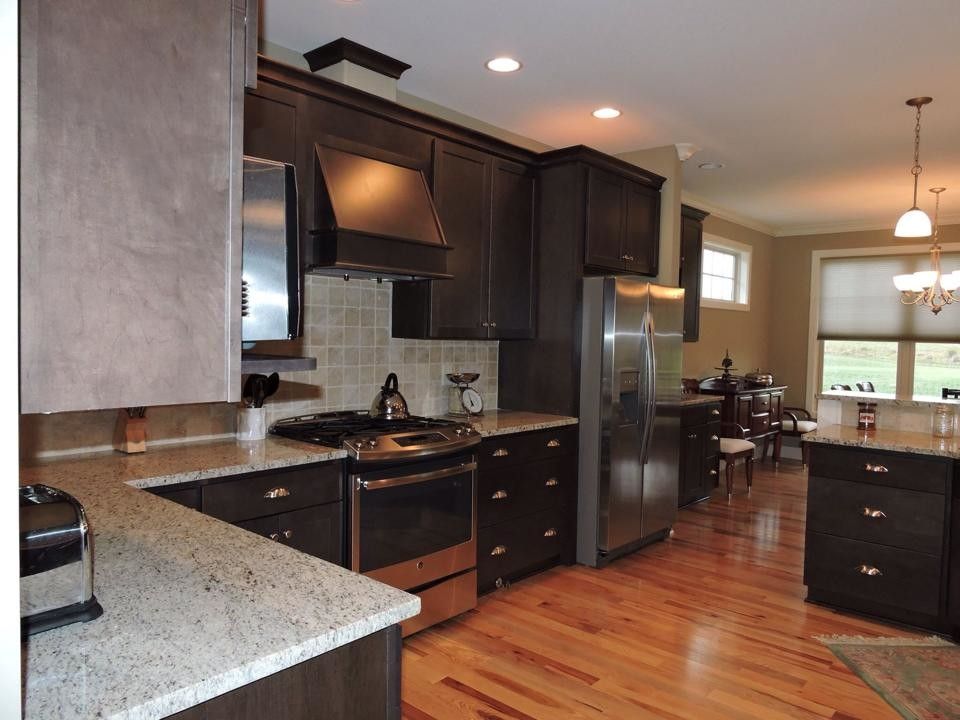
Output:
x=412 y=444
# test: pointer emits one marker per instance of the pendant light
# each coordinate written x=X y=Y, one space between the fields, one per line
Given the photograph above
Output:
x=930 y=288
x=915 y=222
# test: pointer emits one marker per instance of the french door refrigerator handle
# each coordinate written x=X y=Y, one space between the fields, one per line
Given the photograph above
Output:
x=650 y=358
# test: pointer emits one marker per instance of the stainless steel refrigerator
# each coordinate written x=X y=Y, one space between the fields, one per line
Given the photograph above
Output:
x=631 y=356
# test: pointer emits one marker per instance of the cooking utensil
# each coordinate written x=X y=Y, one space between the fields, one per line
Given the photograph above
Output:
x=258 y=388
x=247 y=393
x=389 y=403
x=273 y=384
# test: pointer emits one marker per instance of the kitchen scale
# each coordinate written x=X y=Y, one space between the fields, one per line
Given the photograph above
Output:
x=462 y=399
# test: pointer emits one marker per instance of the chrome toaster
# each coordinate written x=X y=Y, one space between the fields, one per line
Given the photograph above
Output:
x=56 y=561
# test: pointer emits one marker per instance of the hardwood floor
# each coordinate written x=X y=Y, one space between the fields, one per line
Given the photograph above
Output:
x=709 y=624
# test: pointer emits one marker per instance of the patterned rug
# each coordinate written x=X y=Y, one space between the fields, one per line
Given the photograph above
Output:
x=918 y=677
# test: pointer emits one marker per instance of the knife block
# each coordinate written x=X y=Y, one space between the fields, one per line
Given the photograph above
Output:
x=130 y=433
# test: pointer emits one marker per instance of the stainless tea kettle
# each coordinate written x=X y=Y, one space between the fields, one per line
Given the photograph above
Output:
x=389 y=403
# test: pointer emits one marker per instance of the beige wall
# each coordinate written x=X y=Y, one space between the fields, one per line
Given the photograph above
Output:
x=745 y=333
x=791 y=267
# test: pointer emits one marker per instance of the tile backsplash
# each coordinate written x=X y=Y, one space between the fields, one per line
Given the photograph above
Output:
x=347 y=328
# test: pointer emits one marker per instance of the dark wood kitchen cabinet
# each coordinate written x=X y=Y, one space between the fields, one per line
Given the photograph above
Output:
x=269 y=128
x=357 y=680
x=878 y=534
x=301 y=506
x=757 y=409
x=130 y=201
x=486 y=208
x=623 y=224
x=691 y=262
x=699 y=451
x=526 y=504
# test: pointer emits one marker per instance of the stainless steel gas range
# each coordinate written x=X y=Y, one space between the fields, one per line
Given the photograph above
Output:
x=412 y=518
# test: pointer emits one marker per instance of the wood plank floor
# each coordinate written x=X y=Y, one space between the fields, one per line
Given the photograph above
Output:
x=709 y=624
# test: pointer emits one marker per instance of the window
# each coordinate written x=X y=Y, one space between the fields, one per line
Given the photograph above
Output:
x=725 y=280
x=935 y=366
x=847 y=362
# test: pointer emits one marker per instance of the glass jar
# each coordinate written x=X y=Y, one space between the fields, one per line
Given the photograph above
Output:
x=866 y=416
x=944 y=421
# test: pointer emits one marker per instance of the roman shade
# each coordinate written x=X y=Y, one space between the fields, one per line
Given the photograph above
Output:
x=859 y=302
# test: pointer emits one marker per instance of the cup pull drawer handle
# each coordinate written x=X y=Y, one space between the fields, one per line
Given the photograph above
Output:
x=715 y=438
x=501 y=452
x=499 y=550
x=692 y=436
x=275 y=537
x=287 y=534
x=552 y=482
x=871 y=513
x=553 y=443
x=868 y=570
x=499 y=495
x=277 y=492
x=713 y=472
x=550 y=532
x=870 y=467
x=714 y=411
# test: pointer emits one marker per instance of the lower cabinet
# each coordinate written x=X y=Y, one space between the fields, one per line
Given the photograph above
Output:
x=877 y=534
x=526 y=504
x=699 y=452
x=301 y=507
x=358 y=680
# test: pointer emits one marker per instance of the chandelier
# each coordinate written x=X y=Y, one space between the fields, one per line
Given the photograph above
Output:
x=915 y=222
x=930 y=288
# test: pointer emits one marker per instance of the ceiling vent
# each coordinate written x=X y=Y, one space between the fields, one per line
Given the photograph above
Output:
x=356 y=65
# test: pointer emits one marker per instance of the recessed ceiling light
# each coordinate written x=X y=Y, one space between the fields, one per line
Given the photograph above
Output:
x=606 y=113
x=710 y=165
x=503 y=65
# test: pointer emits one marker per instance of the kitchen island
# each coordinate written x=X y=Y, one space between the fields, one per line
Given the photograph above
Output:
x=195 y=608
x=883 y=525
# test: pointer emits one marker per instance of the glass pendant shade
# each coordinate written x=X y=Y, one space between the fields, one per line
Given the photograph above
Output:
x=950 y=282
x=906 y=283
x=914 y=223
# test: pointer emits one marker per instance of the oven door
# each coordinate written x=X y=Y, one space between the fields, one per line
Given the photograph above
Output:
x=415 y=525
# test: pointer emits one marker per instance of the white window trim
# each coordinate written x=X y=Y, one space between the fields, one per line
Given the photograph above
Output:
x=815 y=346
x=743 y=279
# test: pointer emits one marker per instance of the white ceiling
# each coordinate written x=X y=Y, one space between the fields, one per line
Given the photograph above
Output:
x=801 y=99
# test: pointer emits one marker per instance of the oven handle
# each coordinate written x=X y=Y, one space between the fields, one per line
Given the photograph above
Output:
x=410 y=479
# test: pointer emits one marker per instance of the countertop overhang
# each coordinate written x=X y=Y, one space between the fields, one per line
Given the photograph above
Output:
x=881 y=439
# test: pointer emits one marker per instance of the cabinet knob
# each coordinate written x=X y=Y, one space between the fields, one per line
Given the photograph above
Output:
x=493 y=324
x=550 y=532
x=287 y=534
x=871 y=513
x=552 y=482
x=499 y=495
x=553 y=443
x=714 y=437
x=714 y=411
x=277 y=492
x=869 y=570
x=501 y=452
x=484 y=324
x=870 y=467
x=499 y=550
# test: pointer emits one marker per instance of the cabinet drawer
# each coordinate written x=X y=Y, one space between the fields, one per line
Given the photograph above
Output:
x=901 y=578
x=891 y=516
x=693 y=415
x=911 y=472
x=711 y=439
x=505 y=450
x=512 y=548
x=759 y=423
x=761 y=403
x=507 y=493
x=272 y=492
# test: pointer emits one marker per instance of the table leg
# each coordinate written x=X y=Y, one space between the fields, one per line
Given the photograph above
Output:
x=777 y=443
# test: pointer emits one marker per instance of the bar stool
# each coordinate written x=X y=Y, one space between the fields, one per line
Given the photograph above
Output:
x=733 y=449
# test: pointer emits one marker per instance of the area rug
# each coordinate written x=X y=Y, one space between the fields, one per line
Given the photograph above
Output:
x=918 y=677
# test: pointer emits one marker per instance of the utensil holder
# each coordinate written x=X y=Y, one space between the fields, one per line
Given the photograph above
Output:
x=130 y=433
x=251 y=424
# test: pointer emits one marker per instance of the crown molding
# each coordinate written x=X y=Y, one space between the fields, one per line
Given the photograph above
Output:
x=861 y=226
x=726 y=214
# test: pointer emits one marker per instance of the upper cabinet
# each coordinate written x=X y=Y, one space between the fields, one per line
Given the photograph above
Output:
x=691 y=258
x=623 y=223
x=486 y=209
x=131 y=191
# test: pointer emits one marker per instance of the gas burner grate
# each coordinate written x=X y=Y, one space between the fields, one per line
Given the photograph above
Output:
x=332 y=428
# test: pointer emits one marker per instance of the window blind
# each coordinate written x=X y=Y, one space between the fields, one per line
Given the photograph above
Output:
x=859 y=302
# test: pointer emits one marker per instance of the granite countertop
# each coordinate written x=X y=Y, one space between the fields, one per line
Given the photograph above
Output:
x=886 y=398
x=193 y=607
x=688 y=399
x=504 y=422
x=881 y=439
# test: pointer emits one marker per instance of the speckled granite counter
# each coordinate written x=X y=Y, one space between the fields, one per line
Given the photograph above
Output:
x=698 y=399
x=504 y=422
x=193 y=607
x=880 y=439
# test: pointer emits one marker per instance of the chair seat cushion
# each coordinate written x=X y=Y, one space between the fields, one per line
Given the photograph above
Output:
x=731 y=446
x=802 y=426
